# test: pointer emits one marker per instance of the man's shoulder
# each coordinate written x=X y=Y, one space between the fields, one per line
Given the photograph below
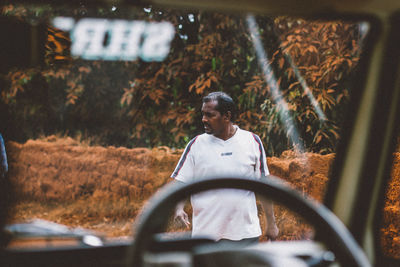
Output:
x=251 y=137
x=246 y=132
x=198 y=139
x=204 y=138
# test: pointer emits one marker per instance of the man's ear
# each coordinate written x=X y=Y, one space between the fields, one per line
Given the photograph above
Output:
x=228 y=116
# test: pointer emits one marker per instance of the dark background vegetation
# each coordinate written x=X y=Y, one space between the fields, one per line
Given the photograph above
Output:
x=138 y=103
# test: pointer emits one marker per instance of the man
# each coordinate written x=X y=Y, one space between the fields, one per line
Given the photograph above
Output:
x=224 y=150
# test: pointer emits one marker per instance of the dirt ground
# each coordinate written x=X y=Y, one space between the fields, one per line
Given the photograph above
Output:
x=104 y=188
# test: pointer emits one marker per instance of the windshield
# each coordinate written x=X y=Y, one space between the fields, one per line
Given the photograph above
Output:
x=101 y=121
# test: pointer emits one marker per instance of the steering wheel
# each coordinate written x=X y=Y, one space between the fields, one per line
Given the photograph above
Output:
x=329 y=229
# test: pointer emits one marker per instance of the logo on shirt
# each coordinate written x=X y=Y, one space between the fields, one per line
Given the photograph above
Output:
x=226 y=154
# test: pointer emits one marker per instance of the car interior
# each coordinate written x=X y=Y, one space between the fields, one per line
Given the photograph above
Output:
x=99 y=99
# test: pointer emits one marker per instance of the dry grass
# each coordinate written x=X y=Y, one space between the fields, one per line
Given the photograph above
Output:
x=104 y=188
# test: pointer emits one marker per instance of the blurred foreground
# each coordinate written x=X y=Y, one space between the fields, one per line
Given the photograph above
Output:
x=104 y=188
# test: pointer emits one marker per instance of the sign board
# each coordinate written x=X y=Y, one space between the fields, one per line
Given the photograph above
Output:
x=104 y=39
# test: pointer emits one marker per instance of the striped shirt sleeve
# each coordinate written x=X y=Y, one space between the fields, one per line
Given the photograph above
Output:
x=184 y=170
x=262 y=159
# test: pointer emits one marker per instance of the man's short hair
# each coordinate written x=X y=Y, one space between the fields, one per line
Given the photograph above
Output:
x=224 y=103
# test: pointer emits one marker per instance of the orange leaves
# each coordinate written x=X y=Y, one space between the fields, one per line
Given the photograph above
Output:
x=170 y=115
x=149 y=90
x=84 y=69
x=311 y=49
x=160 y=101
x=18 y=80
x=184 y=117
x=57 y=46
x=327 y=134
x=179 y=116
x=7 y=9
x=127 y=96
x=203 y=82
x=317 y=139
x=256 y=85
x=342 y=95
x=281 y=62
x=207 y=83
x=156 y=95
x=200 y=86
x=73 y=92
x=335 y=133
x=178 y=135
x=321 y=55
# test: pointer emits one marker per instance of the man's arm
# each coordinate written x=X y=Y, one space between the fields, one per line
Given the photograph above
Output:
x=271 y=230
x=181 y=216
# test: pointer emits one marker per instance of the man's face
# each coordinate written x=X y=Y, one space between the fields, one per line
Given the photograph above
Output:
x=214 y=123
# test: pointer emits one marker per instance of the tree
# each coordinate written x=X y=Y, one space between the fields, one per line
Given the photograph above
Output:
x=157 y=103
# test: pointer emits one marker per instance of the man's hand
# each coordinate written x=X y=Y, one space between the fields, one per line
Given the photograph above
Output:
x=272 y=231
x=181 y=217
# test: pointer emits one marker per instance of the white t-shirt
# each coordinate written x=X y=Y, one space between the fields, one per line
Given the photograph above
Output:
x=223 y=213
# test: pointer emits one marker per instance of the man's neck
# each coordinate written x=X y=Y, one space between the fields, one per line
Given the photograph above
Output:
x=228 y=133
